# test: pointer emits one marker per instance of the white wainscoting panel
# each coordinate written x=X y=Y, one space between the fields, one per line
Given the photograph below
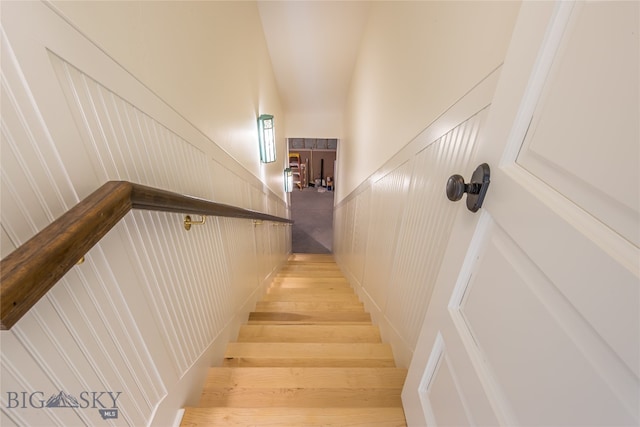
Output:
x=33 y=179
x=351 y=224
x=426 y=225
x=124 y=143
x=388 y=197
x=397 y=225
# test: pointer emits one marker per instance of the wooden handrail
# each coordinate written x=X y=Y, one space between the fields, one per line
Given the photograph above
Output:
x=28 y=273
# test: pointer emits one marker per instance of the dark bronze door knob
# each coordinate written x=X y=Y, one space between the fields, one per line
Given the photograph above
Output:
x=476 y=189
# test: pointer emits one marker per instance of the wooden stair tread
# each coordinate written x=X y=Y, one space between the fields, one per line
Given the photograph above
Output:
x=312 y=263
x=308 y=284
x=303 y=387
x=296 y=306
x=301 y=397
x=312 y=269
x=294 y=417
x=309 y=316
x=312 y=296
x=309 y=354
x=315 y=275
x=309 y=333
x=326 y=290
x=335 y=280
x=310 y=272
x=295 y=258
x=309 y=377
x=303 y=279
x=305 y=350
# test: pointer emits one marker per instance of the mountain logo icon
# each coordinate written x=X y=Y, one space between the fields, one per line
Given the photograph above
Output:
x=62 y=400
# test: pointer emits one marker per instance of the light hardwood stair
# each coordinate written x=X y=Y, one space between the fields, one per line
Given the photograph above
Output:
x=308 y=356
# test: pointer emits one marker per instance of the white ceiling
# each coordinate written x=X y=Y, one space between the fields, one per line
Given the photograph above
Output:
x=313 y=47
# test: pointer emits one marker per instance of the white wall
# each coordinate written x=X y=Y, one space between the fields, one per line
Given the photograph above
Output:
x=153 y=305
x=416 y=59
x=313 y=45
x=392 y=220
x=314 y=125
x=207 y=59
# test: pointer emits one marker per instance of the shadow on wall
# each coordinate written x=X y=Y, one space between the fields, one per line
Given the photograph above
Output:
x=312 y=212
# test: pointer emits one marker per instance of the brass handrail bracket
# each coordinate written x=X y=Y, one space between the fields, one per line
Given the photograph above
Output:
x=188 y=222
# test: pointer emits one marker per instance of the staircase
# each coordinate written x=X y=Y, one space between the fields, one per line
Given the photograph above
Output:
x=308 y=356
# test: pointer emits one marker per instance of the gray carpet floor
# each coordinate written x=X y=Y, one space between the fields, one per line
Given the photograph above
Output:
x=312 y=213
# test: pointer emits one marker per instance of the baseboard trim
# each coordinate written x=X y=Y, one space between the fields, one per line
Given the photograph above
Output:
x=187 y=391
x=402 y=352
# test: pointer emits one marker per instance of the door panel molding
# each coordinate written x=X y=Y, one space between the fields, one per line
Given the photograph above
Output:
x=440 y=378
x=494 y=393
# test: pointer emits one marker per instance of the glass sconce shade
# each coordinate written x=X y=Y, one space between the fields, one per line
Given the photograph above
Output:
x=267 y=138
x=288 y=180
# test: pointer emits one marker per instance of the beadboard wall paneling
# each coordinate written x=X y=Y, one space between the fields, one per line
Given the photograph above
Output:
x=388 y=197
x=124 y=143
x=153 y=305
x=426 y=226
x=258 y=201
x=33 y=179
x=227 y=186
x=343 y=231
x=360 y=229
x=6 y=245
x=26 y=375
x=351 y=225
x=392 y=231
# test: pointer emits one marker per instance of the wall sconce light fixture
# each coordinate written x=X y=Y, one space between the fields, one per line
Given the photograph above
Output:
x=288 y=180
x=267 y=138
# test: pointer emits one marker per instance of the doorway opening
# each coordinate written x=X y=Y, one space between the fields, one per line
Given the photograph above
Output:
x=312 y=161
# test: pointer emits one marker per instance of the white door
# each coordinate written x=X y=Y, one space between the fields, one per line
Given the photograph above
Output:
x=534 y=319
